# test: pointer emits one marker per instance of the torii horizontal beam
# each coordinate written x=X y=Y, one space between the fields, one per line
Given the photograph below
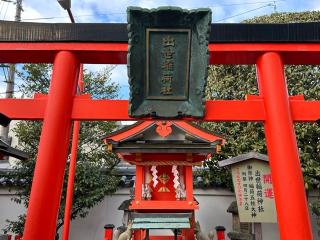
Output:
x=117 y=32
x=86 y=109
x=116 y=53
x=297 y=43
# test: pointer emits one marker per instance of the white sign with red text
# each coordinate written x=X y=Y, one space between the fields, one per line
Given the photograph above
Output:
x=254 y=192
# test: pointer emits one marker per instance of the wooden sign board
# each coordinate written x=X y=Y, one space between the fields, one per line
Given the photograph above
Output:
x=254 y=192
x=168 y=61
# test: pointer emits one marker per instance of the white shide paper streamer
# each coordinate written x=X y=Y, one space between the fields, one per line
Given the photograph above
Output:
x=175 y=172
x=154 y=174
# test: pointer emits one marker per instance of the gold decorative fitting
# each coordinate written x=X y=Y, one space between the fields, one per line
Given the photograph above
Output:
x=164 y=189
x=109 y=147
x=189 y=157
x=138 y=157
x=218 y=148
x=164 y=178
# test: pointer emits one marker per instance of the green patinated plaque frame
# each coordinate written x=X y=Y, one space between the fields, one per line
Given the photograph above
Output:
x=188 y=30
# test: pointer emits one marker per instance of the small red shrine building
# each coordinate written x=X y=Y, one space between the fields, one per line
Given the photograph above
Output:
x=164 y=153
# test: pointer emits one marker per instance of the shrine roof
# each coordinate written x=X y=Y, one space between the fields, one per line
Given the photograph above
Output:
x=177 y=140
x=163 y=130
x=7 y=150
x=125 y=205
x=243 y=157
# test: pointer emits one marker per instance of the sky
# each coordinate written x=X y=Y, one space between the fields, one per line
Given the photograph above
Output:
x=102 y=11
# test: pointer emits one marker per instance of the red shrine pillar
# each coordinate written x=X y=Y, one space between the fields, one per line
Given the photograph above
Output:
x=290 y=196
x=53 y=148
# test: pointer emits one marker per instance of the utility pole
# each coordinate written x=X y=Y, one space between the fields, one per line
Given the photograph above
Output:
x=12 y=69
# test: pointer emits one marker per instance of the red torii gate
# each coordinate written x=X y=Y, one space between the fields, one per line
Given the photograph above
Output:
x=273 y=106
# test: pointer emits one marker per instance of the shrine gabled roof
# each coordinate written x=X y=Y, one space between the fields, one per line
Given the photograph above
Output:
x=243 y=157
x=164 y=129
x=7 y=150
x=128 y=131
x=175 y=139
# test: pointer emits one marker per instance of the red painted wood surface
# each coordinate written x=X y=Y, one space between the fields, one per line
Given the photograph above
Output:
x=130 y=132
x=147 y=157
x=196 y=131
x=283 y=153
x=216 y=110
x=157 y=191
x=72 y=167
x=49 y=171
x=116 y=53
x=138 y=183
x=189 y=183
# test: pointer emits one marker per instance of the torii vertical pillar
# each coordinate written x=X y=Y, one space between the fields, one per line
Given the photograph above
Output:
x=50 y=166
x=290 y=197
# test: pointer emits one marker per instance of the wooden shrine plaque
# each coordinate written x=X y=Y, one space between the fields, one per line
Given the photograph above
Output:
x=254 y=192
x=168 y=61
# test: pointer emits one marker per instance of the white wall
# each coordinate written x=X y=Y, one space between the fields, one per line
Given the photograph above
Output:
x=105 y=213
x=212 y=212
x=8 y=209
x=213 y=204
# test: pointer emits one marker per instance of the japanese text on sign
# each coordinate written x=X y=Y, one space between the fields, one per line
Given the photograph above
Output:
x=254 y=192
x=168 y=44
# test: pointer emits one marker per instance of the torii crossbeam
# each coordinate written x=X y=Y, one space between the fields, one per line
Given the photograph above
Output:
x=269 y=47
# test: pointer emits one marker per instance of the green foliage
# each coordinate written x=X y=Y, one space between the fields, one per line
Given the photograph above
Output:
x=94 y=172
x=289 y=17
x=234 y=82
x=17 y=226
